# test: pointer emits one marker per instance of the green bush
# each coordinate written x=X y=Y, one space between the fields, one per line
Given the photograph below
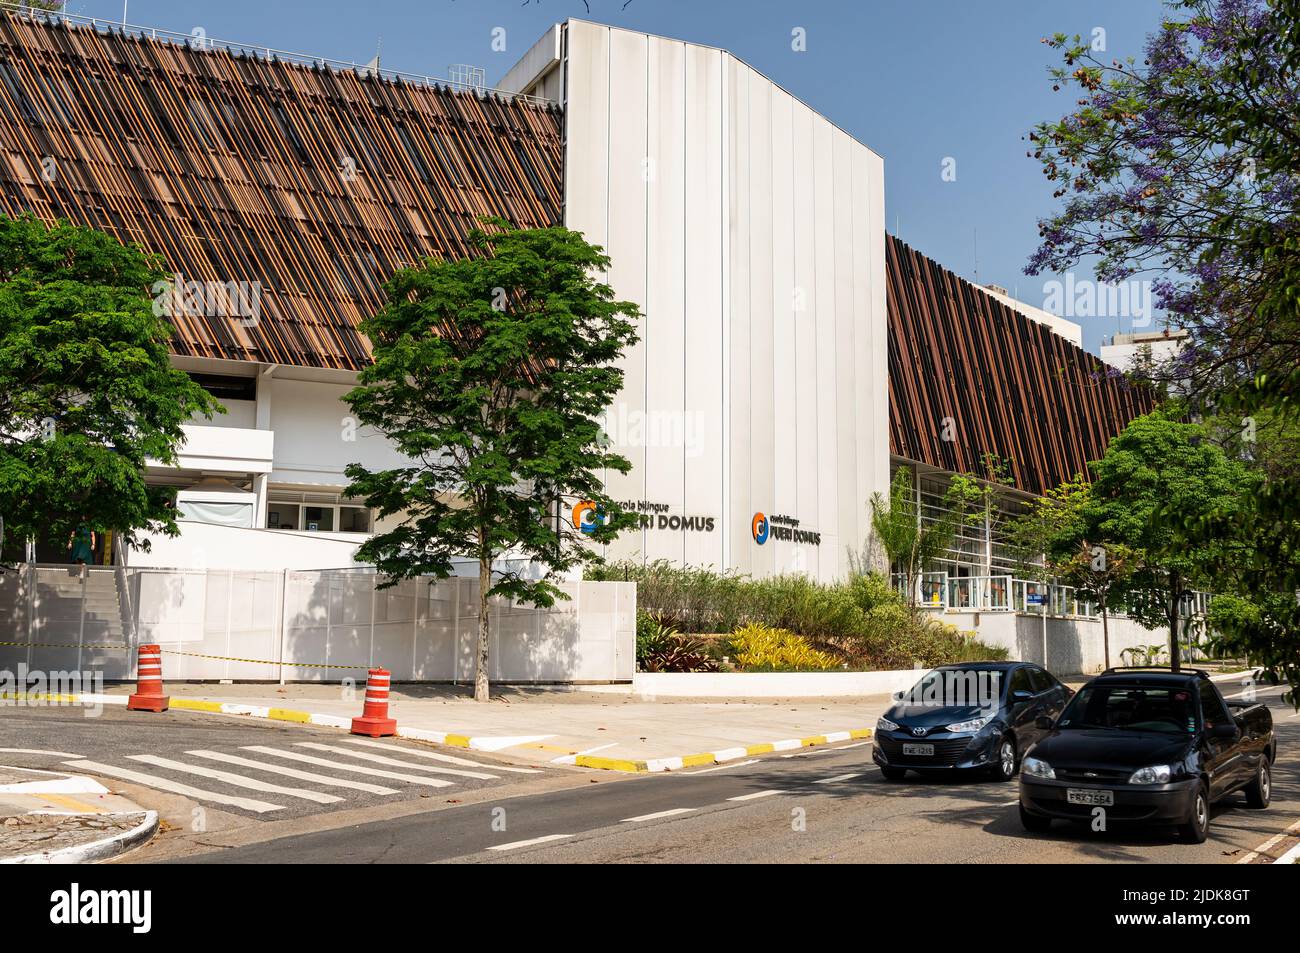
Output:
x=862 y=621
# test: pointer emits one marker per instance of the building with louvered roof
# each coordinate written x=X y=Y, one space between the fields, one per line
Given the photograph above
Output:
x=792 y=354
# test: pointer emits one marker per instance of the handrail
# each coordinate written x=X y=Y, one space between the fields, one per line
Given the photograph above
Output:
x=201 y=40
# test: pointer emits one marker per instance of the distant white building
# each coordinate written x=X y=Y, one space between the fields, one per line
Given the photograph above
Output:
x=1125 y=350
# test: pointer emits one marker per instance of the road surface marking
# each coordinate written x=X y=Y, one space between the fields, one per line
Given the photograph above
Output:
x=394 y=762
x=238 y=780
x=52 y=754
x=292 y=772
x=71 y=803
x=658 y=814
x=355 y=768
x=756 y=794
x=1270 y=843
x=529 y=843
x=1290 y=857
x=837 y=779
x=175 y=787
x=856 y=744
x=435 y=756
x=721 y=767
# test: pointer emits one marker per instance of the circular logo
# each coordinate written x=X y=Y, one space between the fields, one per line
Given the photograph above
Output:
x=586 y=517
x=759 y=528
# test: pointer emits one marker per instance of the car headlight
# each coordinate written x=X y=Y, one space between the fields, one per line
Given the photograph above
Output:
x=975 y=724
x=1034 y=768
x=1153 y=774
x=884 y=724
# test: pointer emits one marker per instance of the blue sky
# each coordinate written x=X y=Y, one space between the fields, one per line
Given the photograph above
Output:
x=918 y=81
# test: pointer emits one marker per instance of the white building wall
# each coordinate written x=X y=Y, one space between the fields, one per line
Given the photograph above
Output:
x=750 y=230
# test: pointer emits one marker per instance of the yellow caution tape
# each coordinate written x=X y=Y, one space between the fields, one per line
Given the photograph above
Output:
x=222 y=658
x=262 y=661
x=73 y=645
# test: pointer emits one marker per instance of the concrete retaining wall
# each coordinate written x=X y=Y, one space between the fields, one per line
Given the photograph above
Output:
x=1074 y=645
x=773 y=684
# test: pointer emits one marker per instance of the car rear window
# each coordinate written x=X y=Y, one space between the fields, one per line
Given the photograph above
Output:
x=1132 y=707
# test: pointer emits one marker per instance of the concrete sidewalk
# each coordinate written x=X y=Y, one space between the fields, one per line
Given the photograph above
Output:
x=49 y=817
x=606 y=728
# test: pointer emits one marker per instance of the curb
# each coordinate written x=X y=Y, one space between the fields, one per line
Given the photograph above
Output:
x=94 y=851
x=716 y=757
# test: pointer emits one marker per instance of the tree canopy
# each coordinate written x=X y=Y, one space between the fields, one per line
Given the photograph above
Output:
x=491 y=375
x=87 y=391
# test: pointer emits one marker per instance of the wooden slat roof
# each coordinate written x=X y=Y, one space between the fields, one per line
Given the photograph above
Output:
x=236 y=168
x=965 y=365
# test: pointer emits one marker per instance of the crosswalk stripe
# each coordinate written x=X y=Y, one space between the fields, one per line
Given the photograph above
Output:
x=292 y=772
x=435 y=756
x=175 y=787
x=238 y=780
x=394 y=762
x=355 y=768
x=756 y=794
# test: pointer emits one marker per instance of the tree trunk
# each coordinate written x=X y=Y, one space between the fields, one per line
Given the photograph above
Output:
x=1105 y=636
x=484 y=627
x=1174 y=582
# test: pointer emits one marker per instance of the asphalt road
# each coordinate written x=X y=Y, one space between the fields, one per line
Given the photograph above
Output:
x=822 y=804
x=254 y=770
x=826 y=804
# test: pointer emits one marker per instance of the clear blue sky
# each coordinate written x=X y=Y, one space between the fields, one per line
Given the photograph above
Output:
x=916 y=80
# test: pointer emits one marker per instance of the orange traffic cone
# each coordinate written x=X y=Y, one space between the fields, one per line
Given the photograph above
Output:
x=374 y=720
x=148 y=682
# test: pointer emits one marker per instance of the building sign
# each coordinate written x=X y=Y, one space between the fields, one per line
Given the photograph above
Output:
x=650 y=515
x=785 y=528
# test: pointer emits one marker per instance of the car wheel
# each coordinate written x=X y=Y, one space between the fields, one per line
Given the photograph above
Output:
x=1197 y=826
x=1260 y=791
x=1034 y=823
x=1005 y=767
x=894 y=774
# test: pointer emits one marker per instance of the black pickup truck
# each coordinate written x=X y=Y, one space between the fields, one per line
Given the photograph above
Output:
x=1148 y=746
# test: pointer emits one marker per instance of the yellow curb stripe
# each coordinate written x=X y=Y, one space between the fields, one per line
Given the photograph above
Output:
x=288 y=714
x=814 y=740
x=457 y=741
x=196 y=704
x=860 y=733
x=40 y=697
x=609 y=764
x=760 y=749
x=695 y=760
x=80 y=807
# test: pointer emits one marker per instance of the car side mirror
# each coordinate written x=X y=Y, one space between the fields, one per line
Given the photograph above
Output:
x=898 y=696
x=1021 y=696
x=1043 y=723
x=1223 y=732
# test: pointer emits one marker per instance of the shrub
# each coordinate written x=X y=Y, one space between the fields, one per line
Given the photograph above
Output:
x=863 y=620
x=661 y=648
x=763 y=649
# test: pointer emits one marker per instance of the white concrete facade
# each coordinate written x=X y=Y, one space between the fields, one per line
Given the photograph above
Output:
x=750 y=232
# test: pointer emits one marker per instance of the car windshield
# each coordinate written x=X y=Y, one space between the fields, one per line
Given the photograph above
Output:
x=1132 y=708
x=957 y=688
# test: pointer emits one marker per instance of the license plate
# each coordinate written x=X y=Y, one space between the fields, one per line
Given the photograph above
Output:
x=926 y=751
x=1091 y=798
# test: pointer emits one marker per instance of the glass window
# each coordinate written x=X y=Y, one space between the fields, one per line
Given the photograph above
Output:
x=1212 y=709
x=318 y=519
x=354 y=519
x=1040 y=680
x=282 y=516
x=1020 y=681
x=1133 y=707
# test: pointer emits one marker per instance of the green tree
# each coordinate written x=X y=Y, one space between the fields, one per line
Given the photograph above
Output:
x=912 y=543
x=1156 y=464
x=491 y=375
x=87 y=391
